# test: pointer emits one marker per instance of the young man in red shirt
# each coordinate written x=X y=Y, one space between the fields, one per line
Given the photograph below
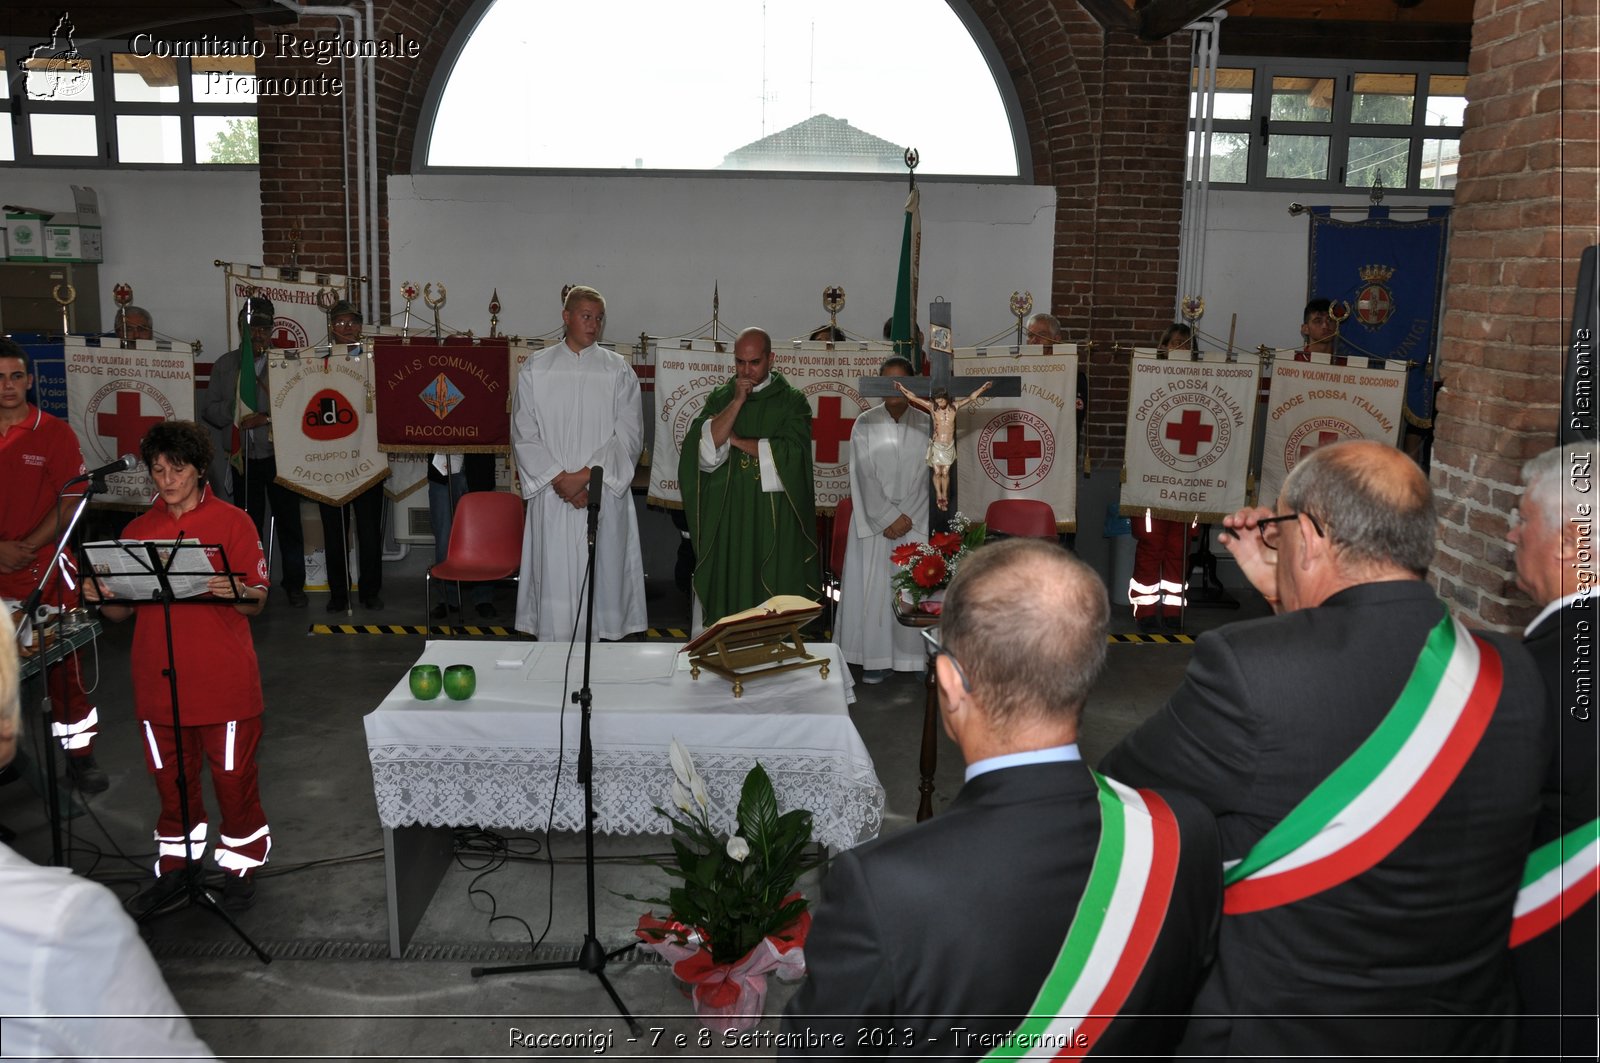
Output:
x=219 y=679
x=39 y=454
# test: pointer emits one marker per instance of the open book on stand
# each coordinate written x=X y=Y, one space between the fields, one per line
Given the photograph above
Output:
x=762 y=640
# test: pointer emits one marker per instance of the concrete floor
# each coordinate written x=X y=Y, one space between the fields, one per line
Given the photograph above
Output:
x=331 y=990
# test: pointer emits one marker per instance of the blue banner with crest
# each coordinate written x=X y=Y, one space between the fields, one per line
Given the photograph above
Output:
x=1388 y=277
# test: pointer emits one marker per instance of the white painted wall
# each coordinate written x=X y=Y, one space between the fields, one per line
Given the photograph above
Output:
x=656 y=246
x=1257 y=263
x=163 y=229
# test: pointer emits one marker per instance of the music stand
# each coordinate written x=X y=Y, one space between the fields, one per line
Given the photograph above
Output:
x=153 y=567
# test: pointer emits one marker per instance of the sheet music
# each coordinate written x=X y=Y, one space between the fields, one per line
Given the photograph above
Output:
x=123 y=567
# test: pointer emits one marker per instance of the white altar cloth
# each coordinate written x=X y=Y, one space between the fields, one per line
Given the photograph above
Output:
x=491 y=760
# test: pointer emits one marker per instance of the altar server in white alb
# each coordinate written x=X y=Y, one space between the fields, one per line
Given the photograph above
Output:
x=576 y=408
x=889 y=506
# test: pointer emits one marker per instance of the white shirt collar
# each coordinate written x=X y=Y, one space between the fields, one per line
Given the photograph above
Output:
x=1052 y=755
x=1555 y=606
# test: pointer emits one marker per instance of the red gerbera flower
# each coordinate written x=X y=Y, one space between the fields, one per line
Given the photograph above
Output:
x=947 y=543
x=901 y=554
x=929 y=572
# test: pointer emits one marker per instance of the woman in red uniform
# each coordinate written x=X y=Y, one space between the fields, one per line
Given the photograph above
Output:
x=219 y=681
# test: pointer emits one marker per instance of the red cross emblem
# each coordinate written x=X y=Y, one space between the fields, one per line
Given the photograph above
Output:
x=127 y=424
x=829 y=428
x=1015 y=450
x=1323 y=439
x=1189 y=432
x=1374 y=305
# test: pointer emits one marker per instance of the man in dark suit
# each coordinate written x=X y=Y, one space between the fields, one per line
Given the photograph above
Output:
x=1374 y=843
x=1554 y=936
x=938 y=940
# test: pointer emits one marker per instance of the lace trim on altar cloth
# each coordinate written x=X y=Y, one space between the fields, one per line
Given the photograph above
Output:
x=440 y=786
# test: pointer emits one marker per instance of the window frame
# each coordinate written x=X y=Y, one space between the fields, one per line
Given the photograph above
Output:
x=1340 y=129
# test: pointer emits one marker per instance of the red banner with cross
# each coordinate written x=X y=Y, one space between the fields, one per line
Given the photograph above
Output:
x=114 y=395
x=827 y=373
x=1187 y=448
x=1312 y=404
x=1024 y=447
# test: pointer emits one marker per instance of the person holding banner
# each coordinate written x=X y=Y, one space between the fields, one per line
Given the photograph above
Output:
x=1375 y=772
x=134 y=323
x=1553 y=937
x=1318 y=331
x=366 y=509
x=889 y=506
x=752 y=515
x=233 y=402
x=40 y=455
x=943 y=939
x=576 y=414
x=219 y=679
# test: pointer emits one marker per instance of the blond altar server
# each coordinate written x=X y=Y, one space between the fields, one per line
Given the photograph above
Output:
x=577 y=407
x=889 y=500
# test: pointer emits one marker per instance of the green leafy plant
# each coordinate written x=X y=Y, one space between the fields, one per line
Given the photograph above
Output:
x=732 y=890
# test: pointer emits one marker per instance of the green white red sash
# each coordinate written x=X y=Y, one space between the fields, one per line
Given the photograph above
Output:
x=1377 y=797
x=1560 y=877
x=1115 y=927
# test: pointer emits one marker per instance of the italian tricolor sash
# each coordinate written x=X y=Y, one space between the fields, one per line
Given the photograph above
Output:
x=1115 y=927
x=1560 y=877
x=1376 y=798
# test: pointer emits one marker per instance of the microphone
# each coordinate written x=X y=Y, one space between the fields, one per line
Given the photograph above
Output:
x=122 y=464
x=596 y=484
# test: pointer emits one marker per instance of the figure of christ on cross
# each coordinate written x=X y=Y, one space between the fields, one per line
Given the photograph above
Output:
x=942 y=440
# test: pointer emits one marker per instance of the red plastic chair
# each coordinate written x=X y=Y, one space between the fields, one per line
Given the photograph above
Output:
x=1026 y=518
x=485 y=542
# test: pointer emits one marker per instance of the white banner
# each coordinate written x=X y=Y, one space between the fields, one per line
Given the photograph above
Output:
x=830 y=379
x=115 y=394
x=325 y=438
x=1315 y=403
x=1187 y=448
x=1024 y=447
x=299 y=318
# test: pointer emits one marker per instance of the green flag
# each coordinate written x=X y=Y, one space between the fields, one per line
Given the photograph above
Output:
x=245 y=401
x=903 y=331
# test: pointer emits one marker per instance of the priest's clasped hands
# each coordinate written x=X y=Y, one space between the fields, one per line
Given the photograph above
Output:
x=572 y=487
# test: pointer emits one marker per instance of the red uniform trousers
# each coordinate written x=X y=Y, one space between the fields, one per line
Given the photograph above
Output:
x=75 y=722
x=1160 y=563
x=244 y=839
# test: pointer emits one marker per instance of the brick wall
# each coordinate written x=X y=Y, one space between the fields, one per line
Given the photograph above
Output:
x=1525 y=207
x=1105 y=116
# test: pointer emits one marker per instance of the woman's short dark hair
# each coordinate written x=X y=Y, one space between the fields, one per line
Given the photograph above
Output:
x=181 y=442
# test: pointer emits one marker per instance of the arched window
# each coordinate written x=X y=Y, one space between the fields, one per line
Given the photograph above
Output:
x=841 y=86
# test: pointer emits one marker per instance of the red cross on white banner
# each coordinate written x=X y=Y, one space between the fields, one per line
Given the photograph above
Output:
x=1015 y=450
x=829 y=428
x=1189 y=432
x=1323 y=439
x=128 y=423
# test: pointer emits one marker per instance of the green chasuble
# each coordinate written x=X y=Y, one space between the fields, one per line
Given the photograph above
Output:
x=751 y=544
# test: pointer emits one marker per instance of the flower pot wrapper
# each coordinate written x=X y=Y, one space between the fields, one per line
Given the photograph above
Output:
x=733 y=994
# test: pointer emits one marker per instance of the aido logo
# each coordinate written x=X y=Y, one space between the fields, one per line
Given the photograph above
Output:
x=329 y=415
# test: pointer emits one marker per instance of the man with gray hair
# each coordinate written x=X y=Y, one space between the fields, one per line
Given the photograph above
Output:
x=1374 y=769
x=1554 y=934
x=947 y=939
x=83 y=984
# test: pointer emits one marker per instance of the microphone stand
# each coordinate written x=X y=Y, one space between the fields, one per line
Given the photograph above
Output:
x=52 y=779
x=592 y=956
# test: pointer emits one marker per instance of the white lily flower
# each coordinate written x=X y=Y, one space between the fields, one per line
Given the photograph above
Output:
x=680 y=797
x=682 y=762
x=697 y=787
x=738 y=848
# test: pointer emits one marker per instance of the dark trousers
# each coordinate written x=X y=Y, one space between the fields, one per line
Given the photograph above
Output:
x=259 y=489
x=365 y=513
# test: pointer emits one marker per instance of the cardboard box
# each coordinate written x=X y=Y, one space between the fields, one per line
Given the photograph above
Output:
x=25 y=229
x=76 y=237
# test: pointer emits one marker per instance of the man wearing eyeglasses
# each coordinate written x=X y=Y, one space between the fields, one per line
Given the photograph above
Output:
x=951 y=939
x=1374 y=769
x=1554 y=935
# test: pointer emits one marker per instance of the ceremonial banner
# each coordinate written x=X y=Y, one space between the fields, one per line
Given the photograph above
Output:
x=115 y=394
x=1391 y=273
x=685 y=375
x=326 y=441
x=1024 y=447
x=1187 y=443
x=407 y=473
x=1312 y=404
x=452 y=395
x=299 y=318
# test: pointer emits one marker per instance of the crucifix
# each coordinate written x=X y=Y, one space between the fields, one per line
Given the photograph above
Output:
x=945 y=390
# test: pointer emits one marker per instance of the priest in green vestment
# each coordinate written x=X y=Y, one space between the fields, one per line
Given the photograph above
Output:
x=745 y=471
